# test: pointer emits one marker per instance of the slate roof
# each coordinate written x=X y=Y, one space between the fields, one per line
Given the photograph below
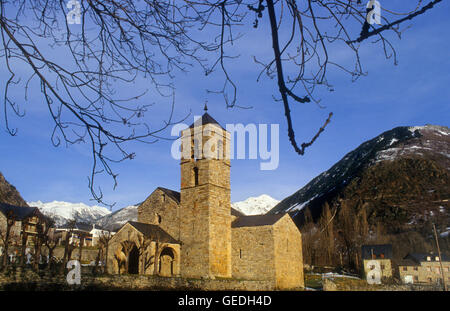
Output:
x=153 y=231
x=20 y=212
x=256 y=220
x=236 y=213
x=171 y=193
x=421 y=257
x=408 y=262
x=381 y=251
x=207 y=119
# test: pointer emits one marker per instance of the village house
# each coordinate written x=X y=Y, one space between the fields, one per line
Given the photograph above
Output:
x=424 y=268
x=194 y=233
x=377 y=255
x=89 y=234
x=23 y=226
x=25 y=220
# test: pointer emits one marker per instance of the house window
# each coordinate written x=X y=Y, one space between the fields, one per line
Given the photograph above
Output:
x=429 y=269
x=416 y=278
x=405 y=268
x=382 y=267
x=416 y=268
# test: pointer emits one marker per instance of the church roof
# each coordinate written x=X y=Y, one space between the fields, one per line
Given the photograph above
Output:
x=171 y=193
x=153 y=231
x=257 y=220
x=237 y=213
x=207 y=119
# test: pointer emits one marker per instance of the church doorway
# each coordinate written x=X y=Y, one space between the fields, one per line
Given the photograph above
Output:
x=166 y=262
x=133 y=261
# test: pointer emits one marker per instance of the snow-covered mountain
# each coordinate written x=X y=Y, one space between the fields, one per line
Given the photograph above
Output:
x=116 y=219
x=255 y=205
x=62 y=212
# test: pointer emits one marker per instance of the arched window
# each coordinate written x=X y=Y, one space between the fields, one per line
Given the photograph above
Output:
x=196 y=175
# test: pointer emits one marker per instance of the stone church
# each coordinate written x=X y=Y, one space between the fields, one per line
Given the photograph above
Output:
x=196 y=234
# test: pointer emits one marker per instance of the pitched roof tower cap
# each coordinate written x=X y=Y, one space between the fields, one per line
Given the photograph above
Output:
x=206 y=119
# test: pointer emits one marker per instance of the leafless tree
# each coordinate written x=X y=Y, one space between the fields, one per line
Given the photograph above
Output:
x=82 y=240
x=68 y=244
x=143 y=244
x=43 y=230
x=118 y=42
x=127 y=246
x=103 y=248
x=24 y=237
x=5 y=236
x=51 y=242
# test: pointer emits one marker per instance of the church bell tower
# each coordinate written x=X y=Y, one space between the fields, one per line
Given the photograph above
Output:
x=205 y=211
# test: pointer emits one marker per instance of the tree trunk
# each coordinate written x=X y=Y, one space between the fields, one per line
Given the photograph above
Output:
x=106 y=259
x=80 y=252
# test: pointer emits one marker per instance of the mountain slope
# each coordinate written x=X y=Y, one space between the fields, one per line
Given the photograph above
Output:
x=255 y=205
x=116 y=219
x=62 y=212
x=401 y=172
x=9 y=194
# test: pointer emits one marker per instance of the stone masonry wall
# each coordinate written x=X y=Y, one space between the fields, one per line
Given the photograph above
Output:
x=160 y=204
x=205 y=211
x=428 y=272
x=30 y=280
x=253 y=253
x=288 y=254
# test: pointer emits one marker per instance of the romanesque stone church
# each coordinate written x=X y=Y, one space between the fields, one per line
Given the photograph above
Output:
x=195 y=233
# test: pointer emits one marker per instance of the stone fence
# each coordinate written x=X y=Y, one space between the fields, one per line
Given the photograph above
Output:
x=362 y=285
x=29 y=280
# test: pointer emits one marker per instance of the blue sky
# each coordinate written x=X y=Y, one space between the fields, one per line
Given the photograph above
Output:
x=415 y=92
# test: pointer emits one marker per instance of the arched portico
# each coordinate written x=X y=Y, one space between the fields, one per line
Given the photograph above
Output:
x=169 y=262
